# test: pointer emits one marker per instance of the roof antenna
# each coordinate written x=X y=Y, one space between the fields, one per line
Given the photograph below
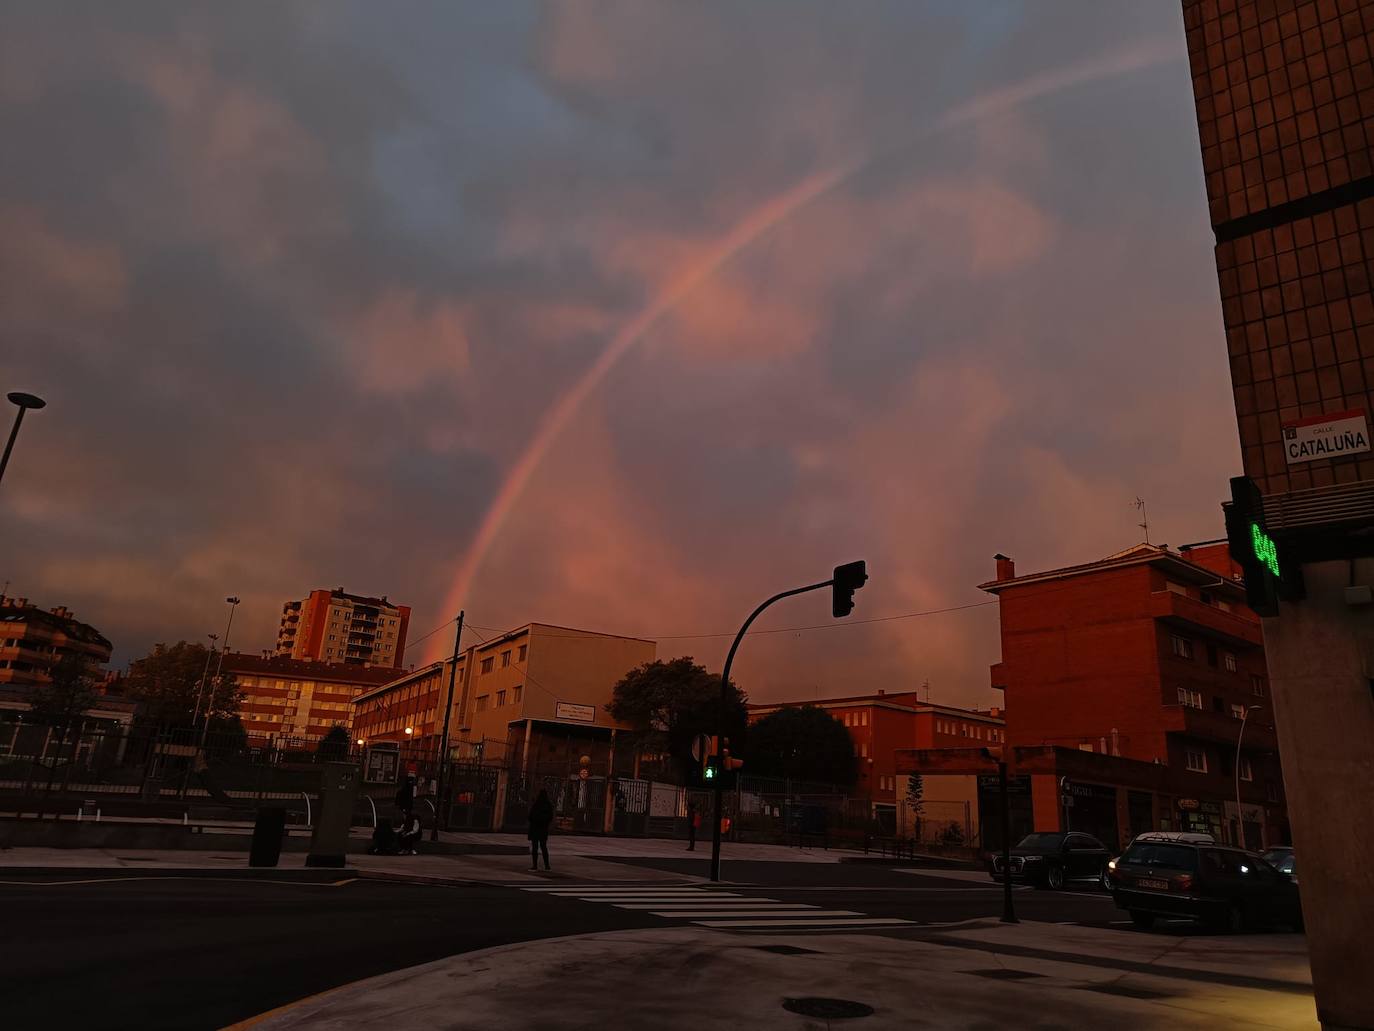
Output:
x=1144 y=523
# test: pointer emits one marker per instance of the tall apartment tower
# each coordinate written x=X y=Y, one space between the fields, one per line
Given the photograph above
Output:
x=334 y=626
x=1285 y=110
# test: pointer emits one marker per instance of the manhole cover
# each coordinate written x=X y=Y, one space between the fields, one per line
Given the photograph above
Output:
x=827 y=1009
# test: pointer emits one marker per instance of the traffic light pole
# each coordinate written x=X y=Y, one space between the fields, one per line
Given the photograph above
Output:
x=718 y=791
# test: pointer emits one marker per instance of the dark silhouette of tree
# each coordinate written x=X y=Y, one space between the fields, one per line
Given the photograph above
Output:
x=802 y=743
x=62 y=703
x=334 y=745
x=669 y=703
x=165 y=683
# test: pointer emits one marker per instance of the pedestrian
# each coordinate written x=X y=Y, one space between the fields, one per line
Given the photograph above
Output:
x=693 y=822
x=409 y=835
x=405 y=797
x=541 y=816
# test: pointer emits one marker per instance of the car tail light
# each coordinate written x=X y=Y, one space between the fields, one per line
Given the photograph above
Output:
x=1184 y=882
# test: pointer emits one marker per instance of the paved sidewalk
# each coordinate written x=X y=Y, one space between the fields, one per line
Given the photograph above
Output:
x=692 y=978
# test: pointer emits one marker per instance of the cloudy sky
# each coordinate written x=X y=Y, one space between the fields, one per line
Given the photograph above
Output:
x=614 y=315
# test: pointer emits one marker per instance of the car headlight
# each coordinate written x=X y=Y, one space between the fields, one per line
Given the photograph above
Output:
x=1034 y=859
x=1111 y=864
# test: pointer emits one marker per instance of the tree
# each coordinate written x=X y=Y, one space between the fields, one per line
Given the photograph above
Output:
x=670 y=703
x=802 y=743
x=62 y=703
x=166 y=682
x=915 y=793
x=334 y=745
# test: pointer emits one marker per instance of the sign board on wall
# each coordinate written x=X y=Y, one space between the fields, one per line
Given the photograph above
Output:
x=1325 y=436
x=382 y=762
x=575 y=713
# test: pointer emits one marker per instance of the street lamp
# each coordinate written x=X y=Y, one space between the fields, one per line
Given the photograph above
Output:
x=219 y=668
x=1240 y=820
x=25 y=402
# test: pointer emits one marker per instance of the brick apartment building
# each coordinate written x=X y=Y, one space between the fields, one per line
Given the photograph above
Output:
x=294 y=698
x=334 y=626
x=1130 y=677
x=533 y=697
x=33 y=640
x=881 y=724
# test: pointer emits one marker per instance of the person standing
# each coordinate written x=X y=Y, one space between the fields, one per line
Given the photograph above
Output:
x=541 y=816
x=693 y=822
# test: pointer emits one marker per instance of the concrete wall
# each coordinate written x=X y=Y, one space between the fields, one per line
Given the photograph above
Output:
x=1321 y=661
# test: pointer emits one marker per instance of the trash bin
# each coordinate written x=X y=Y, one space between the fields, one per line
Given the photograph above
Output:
x=267 y=837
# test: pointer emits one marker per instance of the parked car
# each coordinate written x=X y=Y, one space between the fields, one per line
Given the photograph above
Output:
x=1053 y=859
x=1192 y=837
x=1216 y=885
x=1283 y=859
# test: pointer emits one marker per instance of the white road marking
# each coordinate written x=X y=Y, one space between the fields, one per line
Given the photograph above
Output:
x=875 y=921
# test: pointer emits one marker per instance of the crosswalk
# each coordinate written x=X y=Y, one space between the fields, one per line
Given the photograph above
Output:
x=723 y=910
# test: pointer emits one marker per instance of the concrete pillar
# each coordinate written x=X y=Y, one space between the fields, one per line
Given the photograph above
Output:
x=525 y=749
x=1320 y=654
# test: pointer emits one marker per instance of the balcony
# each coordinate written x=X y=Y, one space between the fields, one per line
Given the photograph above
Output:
x=1222 y=727
x=1189 y=614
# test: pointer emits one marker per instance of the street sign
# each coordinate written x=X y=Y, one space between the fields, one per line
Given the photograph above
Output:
x=574 y=713
x=1325 y=436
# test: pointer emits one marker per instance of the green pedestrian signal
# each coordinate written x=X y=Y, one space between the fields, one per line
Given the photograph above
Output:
x=1266 y=552
x=1268 y=577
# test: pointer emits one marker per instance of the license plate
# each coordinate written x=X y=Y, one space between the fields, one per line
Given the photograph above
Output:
x=1153 y=885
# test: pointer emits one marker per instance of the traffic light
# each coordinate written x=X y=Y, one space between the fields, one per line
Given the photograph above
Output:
x=848 y=579
x=727 y=764
x=1267 y=576
x=710 y=759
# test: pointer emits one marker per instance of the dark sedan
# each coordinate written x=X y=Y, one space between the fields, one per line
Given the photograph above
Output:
x=1225 y=888
x=1053 y=859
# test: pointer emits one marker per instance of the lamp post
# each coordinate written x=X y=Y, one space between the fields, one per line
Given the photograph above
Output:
x=1240 y=820
x=25 y=402
x=219 y=667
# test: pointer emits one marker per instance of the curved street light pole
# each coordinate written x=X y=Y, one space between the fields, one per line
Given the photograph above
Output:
x=219 y=666
x=24 y=402
x=1240 y=819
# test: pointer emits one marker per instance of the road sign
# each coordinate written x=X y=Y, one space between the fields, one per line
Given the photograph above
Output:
x=701 y=747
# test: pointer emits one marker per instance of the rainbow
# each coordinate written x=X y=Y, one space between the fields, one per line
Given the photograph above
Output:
x=745 y=233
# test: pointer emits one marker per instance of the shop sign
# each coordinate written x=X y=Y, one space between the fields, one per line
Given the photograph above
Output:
x=1189 y=805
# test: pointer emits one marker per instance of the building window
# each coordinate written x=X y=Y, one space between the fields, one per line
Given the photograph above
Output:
x=1196 y=760
x=1247 y=772
x=1182 y=647
x=1187 y=696
x=505 y=658
x=863 y=722
x=1211 y=654
x=1238 y=711
x=524 y=650
x=1257 y=687
x=1273 y=791
x=863 y=753
x=1230 y=663
x=515 y=694
x=482 y=703
x=500 y=698
x=1086 y=746
x=487 y=665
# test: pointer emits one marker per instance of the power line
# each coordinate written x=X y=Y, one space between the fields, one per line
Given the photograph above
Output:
x=779 y=630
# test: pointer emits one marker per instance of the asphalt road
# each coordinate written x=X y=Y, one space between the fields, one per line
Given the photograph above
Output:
x=204 y=953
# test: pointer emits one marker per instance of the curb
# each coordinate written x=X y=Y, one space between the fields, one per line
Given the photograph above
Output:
x=59 y=874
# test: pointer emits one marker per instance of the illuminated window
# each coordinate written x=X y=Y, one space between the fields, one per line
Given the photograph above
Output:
x=863 y=721
x=1195 y=760
x=1189 y=697
x=1247 y=772
x=1238 y=711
